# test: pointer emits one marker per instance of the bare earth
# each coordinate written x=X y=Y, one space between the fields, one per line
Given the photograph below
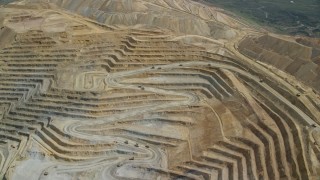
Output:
x=153 y=89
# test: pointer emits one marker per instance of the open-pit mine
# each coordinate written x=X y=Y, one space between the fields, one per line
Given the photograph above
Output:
x=153 y=89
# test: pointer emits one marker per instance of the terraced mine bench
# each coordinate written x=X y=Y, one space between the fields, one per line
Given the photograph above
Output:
x=82 y=98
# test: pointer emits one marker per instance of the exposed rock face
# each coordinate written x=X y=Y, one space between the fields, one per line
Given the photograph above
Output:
x=156 y=89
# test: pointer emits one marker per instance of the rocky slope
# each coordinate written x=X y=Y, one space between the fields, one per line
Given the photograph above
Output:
x=182 y=16
x=152 y=89
x=299 y=57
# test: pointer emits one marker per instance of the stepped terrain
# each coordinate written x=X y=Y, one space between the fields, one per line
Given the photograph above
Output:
x=153 y=89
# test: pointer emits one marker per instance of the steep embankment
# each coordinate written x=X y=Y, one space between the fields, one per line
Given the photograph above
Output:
x=300 y=58
x=6 y=35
